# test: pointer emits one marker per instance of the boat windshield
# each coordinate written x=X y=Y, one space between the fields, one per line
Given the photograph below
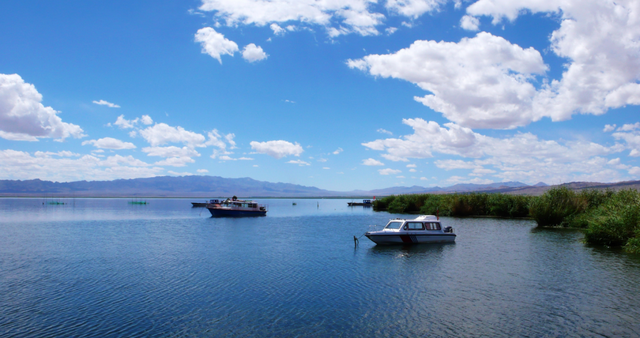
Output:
x=394 y=225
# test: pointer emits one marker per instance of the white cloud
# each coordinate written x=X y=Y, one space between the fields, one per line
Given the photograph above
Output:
x=389 y=171
x=600 y=41
x=469 y=23
x=215 y=44
x=337 y=17
x=117 y=160
x=609 y=128
x=124 y=123
x=413 y=8
x=218 y=140
x=170 y=151
x=390 y=30
x=63 y=153
x=372 y=162
x=630 y=134
x=24 y=118
x=326 y=168
x=411 y=166
x=383 y=131
x=630 y=127
x=146 y=119
x=277 y=30
x=545 y=159
x=412 y=170
x=480 y=82
x=19 y=165
x=277 y=149
x=105 y=103
x=162 y=133
x=424 y=179
x=109 y=143
x=175 y=161
x=253 y=53
x=338 y=151
x=299 y=162
x=202 y=171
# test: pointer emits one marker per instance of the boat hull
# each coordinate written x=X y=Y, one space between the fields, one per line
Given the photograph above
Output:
x=236 y=213
x=386 y=239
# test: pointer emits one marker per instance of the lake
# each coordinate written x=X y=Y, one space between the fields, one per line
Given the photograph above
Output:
x=107 y=268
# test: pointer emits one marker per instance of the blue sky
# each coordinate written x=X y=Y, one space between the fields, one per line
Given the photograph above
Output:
x=342 y=95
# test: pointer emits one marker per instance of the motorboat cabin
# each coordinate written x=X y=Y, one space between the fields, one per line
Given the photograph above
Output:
x=423 y=229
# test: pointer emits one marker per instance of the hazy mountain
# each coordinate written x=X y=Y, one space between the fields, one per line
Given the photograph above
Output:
x=214 y=186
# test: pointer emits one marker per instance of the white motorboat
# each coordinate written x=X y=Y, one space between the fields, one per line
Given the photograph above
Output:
x=423 y=229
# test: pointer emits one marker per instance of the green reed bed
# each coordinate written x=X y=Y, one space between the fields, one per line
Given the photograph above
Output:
x=607 y=217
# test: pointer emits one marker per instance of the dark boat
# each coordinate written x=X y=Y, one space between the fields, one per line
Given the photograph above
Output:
x=365 y=203
x=236 y=208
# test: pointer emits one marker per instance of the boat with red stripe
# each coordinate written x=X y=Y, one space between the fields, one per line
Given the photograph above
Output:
x=422 y=229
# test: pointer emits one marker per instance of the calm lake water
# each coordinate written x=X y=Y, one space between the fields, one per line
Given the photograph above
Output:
x=105 y=268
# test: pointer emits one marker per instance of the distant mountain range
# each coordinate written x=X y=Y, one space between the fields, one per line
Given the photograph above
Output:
x=214 y=186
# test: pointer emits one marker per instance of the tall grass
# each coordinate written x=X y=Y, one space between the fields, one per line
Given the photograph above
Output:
x=607 y=217
x=474 y=204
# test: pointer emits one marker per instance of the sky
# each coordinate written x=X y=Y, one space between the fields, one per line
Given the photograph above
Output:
x=340 y=95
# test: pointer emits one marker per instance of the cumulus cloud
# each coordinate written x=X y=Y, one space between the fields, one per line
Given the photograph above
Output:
x=338 y=151
x=277 y=30
x=253 y=53
x=469 y=23
x=110 y=143
x=630 y=134
x=105 y=103
x=371 y=162
x=609 y=128
x=383 y=131
x=389 y=171
x=175 y=161
x=63 y=153
x=480 y=82
x=124 y=123
x=600 y=41
x=20 y=165
x=202 y=171
x=146 y=119
x=337 y=17
x=161 y=133
x=413 y=8
x=277 y=149
x=544 y=160
x=24 y=118
x=214 y=43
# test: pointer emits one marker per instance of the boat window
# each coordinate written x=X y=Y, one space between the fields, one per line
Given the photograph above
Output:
x=415 y=226
x=433 y=226
x=393 y=225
